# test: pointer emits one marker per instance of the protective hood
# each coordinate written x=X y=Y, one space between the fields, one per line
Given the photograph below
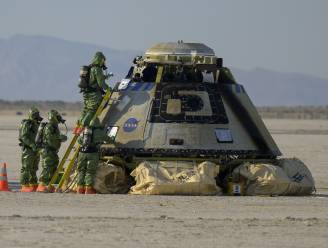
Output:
x=53 y=116
x=98 y=59
x=34 y=114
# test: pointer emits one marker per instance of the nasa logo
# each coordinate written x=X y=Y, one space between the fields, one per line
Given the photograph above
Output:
x=130 y=125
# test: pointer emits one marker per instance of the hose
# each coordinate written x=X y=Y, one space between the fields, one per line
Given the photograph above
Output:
x=66 y=128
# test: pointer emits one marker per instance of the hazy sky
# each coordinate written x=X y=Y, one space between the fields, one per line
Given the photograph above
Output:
x=283 y=35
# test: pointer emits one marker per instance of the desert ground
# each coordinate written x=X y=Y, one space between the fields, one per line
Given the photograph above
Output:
x=68 y=220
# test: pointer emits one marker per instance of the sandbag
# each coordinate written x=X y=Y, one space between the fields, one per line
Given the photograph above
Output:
x=111 y=179
x=175 y=178
x=301 y=177
x=289 y=177
x=263 y=179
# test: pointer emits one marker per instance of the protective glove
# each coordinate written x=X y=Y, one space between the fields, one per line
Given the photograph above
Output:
x=34 y=148
x=109 y=75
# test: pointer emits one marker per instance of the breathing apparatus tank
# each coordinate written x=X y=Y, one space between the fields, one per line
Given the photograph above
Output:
x=87 y=139
x=39 y=135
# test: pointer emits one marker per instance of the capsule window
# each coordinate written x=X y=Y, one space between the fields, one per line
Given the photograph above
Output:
x=223 y=135
x=112 y=132
x=176 y=142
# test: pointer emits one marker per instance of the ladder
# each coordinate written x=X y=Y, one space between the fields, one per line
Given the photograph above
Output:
x=72 y=152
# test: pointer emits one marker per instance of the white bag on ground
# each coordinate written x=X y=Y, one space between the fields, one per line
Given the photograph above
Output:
x=175 y=178
x=291 y=177
x=263 y=179
x=301 y=177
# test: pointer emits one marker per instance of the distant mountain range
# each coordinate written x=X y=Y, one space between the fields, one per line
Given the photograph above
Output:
x=270 y=88
x=47 y=68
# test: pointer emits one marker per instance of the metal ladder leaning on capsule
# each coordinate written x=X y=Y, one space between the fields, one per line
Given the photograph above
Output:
x=72 y=152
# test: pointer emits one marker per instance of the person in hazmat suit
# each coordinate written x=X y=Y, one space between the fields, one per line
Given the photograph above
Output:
x=90 y=140
x=30 y=153
x=94 y=92
x=51 y=142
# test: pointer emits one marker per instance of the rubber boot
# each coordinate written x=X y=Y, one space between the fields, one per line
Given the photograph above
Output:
x=80 y=190
x=89 y=190
x=26 y=188
x=34 y=187
x=42 y=188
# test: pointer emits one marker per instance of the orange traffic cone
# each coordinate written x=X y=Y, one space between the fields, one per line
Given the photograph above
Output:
x=3 y=178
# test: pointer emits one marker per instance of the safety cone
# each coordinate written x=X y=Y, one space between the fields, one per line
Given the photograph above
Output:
x=3 y=178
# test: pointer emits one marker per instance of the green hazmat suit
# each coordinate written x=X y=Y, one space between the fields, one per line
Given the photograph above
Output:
x=92 y=97
x=52 y=140
x=88 y=158
x=30 y=155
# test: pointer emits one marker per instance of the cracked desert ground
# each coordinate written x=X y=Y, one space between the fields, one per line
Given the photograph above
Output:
x=68 y=220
